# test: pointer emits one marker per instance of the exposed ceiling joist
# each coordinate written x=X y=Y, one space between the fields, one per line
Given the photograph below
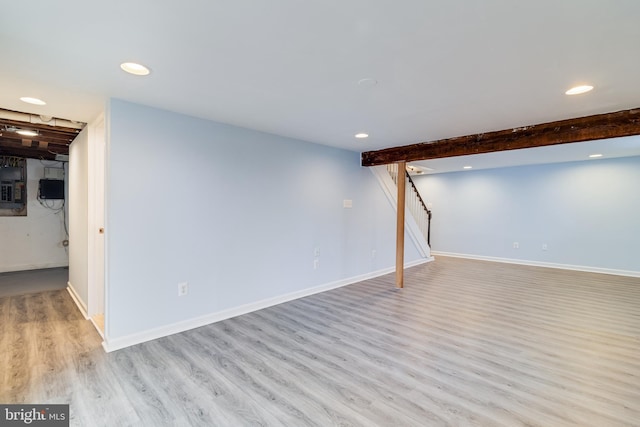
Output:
x=600 y=126
x=51 y=137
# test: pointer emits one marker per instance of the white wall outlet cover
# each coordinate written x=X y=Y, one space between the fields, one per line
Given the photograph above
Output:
x=347 y=203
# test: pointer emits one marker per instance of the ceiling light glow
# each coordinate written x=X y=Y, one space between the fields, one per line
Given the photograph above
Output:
x=595 y=156
x=34 y=101
x=467 y=167
x=577 y=90
x=368 y=82
x=27 y=132
x=361 y=135
x=135 y=68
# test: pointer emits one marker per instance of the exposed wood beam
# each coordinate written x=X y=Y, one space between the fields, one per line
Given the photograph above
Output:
x=402 y=167
x=600 y=126
x=31 y=153
x=60 y=130
x=51 y=140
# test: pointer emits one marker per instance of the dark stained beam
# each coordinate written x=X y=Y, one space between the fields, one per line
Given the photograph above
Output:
x=52 y=138
x=600 y=126
x=30 y=153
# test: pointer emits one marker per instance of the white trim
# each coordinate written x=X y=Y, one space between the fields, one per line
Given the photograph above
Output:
x=95 y=216
x=77 y=300
x=97 y=328
x=106 y=114
x=110 y=345
x=26 y=267
x=583 y=268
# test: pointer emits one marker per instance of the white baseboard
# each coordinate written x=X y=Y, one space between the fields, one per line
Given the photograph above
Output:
x=113 y=344
x=95 y=325
x=77 y=300
x=26 y=267
x=583 y=268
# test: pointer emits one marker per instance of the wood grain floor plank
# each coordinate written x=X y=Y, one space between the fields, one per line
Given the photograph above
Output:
x=465 y=343
x=298 y=359
x=443 y=372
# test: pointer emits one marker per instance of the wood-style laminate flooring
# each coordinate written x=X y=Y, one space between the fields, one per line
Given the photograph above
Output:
x=30 y=281
x=464 y=343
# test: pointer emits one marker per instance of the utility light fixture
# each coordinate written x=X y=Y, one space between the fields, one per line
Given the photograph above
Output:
x=27 y=132
x=34 y=101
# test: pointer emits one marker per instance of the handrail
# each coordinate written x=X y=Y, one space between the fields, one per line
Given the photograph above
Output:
x=424 y=206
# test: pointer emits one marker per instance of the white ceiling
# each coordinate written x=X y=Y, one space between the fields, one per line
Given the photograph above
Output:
x=609 y=148
x=291 y=67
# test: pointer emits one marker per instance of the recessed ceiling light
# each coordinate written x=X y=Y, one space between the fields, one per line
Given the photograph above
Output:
x=368 y=82
x=134 y=68
x=595 y=156
x=27 y=132
x=577 y=90
x=34 y=101
x=467 y=167
x=361 y=135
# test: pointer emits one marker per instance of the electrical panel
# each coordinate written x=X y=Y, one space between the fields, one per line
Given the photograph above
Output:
x=13 y=191
x=6 y=194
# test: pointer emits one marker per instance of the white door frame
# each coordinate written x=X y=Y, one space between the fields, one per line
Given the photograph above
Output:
x=96 y=201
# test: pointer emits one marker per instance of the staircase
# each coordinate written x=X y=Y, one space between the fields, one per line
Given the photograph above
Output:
x=418 y=223
x=414 y=202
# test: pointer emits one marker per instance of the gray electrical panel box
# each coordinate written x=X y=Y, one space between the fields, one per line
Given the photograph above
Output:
x=13 y=191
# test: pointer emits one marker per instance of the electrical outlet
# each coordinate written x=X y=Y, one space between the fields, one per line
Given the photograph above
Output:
x=516 y=245
x=183 y=289
x=316 y=264
x=544 y=247
x=373 y=253
x=316 y=252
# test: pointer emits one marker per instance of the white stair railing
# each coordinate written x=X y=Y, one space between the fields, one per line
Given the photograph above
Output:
x=414 y=203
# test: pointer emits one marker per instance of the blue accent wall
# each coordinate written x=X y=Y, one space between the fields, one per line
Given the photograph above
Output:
x=587 y=213
x=236 y=213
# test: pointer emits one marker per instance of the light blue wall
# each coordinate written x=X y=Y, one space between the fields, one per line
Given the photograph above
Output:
x=586 y=212
x=236 y=213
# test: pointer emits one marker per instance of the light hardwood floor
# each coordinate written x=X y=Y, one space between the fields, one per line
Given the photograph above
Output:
x=464 y=343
